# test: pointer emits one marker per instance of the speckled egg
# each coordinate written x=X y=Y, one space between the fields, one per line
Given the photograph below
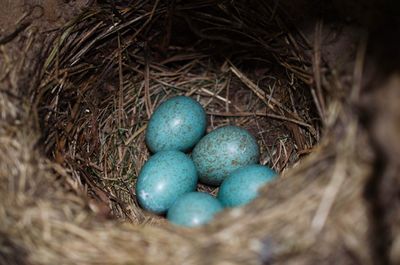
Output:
x=164 y=177
x=194 y=209
x=177 y=124
x=222 y=151
x=241 y=187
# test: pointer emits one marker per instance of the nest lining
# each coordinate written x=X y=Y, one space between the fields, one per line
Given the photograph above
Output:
x=113 y=65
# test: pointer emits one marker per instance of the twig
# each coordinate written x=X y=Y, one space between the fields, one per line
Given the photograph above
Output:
x=337 y=179
x=121 y=85
x=263 y=97
x=318 y=98
x=7 y=38
x=328 y=197
x=245 y=114
x=259 y=93
x=358 y=68
x=136 y=134
x=148 y=105
x=216 y=96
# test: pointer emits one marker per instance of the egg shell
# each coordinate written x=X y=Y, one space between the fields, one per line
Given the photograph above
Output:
x=177 y=124
x=194 y=209
x=163 y=178
x=241 y=187
x=222 y=151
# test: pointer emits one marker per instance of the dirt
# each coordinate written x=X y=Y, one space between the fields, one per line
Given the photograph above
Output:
x=43 y=14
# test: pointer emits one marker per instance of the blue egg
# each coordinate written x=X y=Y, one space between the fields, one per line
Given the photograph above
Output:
x=222 y=151
x=194 y=209
x=241 y=187
x=164 y=177
x=177 y=124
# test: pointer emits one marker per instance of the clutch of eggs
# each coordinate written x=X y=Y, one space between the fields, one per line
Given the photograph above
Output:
x=227 y=156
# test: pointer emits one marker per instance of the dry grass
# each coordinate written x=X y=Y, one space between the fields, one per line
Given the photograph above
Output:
x=72 y=143
x=108 y=71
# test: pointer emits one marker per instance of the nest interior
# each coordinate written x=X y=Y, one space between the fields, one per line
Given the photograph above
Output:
x=114 y=64
x=79 y=85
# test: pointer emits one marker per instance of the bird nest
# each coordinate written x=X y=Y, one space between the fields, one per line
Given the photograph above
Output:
x=72 y=143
